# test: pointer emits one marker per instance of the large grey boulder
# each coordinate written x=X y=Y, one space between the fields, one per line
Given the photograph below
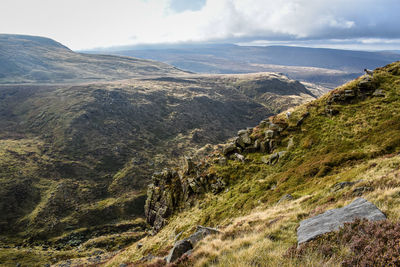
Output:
x=178 y=250
x=183 y=246
x=201 y=232
x=332 y=220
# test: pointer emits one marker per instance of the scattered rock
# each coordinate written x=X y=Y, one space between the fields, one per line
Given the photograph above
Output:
x=239 y=157
x=139 y=245
x=228 y=149
x=349 y=93
x=360 y=190
x=270 y=133
x=342 y=185
x=332 y=220
x=273 y=158
x=378 y=93
x=189 y=166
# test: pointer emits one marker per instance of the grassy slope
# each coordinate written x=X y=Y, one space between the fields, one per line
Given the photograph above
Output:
x=361 y=144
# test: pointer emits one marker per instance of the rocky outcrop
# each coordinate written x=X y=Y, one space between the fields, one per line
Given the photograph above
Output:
x=171 y=190
x=183 y=246
x=332 y=220
x=366 y=87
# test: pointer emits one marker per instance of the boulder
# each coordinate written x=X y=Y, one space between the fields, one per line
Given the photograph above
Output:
x=186 y=245
x=201 y=233
x=239 y=157
x=178 y=250
x=378 y=93
x=228 y=149
x=189 y=166
x=270 y=134
x=332 y=220
x=244 y=138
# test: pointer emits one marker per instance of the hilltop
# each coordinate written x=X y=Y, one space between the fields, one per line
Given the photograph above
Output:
x=28 y=59
x=257 y=188
x=328 y=67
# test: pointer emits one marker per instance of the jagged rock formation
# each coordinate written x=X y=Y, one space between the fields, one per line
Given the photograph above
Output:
x=331 y=220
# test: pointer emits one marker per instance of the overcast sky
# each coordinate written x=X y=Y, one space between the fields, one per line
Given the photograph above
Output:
x=85 y=24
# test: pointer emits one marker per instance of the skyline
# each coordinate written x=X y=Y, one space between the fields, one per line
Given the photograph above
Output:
x=90 y=24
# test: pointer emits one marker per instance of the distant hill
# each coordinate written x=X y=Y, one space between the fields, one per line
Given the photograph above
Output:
x=27 y=59
x=319 y=65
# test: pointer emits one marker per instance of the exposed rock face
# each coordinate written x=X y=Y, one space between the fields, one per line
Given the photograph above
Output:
x=169 y=192
x=183 y=246
x=332 y=220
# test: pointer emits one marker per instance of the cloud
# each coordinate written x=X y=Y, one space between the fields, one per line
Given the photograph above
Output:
x=95 y=23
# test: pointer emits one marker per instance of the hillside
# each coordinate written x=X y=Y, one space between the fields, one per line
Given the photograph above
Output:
x=257 y=188
x=27 y=59
x=329 y=67
x=75 y=158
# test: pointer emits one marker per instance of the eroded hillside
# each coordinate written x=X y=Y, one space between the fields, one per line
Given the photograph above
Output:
x=258 y=188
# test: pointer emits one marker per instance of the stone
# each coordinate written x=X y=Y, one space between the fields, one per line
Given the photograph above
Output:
x=378 y=93
x=240 y=132
x=270 y=133
x=332 y=220
x=228 y=149
x=239 y=142
x=139 y=245
x=360 y=190
x=257 y=144
x=342 y=185
x=178 y=250
x=189 y=166
x=349 y=93
x=264 y=147
x=273 y=158
x=201 y=233
x=244 y=139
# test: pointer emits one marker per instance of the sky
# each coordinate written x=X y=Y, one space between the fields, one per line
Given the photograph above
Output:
x=89 y=24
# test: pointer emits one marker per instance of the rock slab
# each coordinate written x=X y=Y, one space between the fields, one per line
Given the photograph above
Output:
x=184 y=246
x=332 y=220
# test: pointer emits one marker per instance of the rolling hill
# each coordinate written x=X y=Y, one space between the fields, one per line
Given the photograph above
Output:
x=329 y=67
x=76 y=155
x=28 y=59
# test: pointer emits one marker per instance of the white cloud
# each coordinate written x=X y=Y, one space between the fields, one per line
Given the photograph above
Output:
x=94 y=23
